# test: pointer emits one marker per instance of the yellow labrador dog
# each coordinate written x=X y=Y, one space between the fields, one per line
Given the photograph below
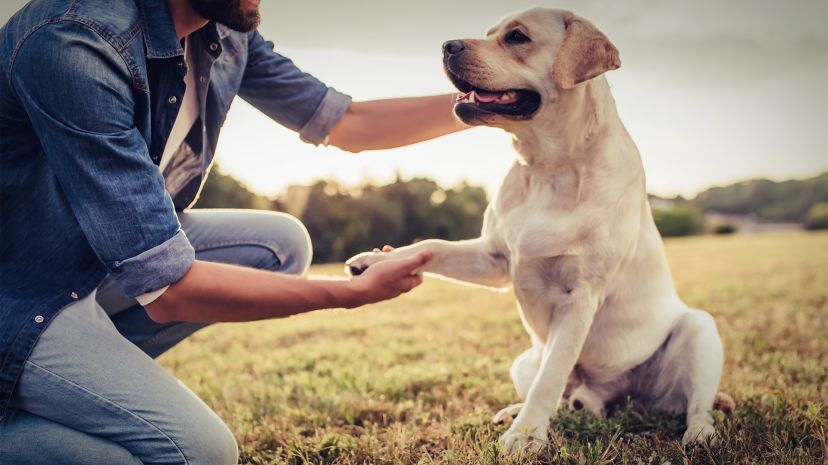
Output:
x=571 y=228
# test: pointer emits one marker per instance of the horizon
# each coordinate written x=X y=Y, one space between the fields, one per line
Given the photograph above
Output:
x=711 y=92
x=367 y=183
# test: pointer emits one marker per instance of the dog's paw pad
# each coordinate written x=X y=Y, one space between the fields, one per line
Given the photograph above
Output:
x=356 y=270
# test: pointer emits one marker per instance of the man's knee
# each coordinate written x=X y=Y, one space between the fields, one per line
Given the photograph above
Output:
x=265 y=240
x=289 y=242
x=210 y=444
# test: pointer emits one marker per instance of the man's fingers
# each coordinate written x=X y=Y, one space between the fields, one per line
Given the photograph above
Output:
x=409 y=265
x=410 y=282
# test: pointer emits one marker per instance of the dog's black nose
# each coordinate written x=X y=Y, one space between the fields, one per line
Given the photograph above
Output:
x=453 y=46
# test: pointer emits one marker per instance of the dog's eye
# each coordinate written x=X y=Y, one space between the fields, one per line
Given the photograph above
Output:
x=516 y=37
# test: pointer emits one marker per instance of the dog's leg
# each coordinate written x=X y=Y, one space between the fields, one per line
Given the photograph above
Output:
x=686 y=375
x=700 y=358
x=507 y=412
x=570 y=322
x=523 y=372
x=473 y=261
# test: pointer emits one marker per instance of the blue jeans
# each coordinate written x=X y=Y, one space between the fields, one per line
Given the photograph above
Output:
x=91 y=393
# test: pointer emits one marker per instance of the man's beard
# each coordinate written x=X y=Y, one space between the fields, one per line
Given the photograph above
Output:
x=227 y=12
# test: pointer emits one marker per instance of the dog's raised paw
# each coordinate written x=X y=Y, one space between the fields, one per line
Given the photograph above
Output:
x=357 y=264
x=507 y=413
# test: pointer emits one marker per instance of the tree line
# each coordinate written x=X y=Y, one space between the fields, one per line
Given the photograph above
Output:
x=343 y=221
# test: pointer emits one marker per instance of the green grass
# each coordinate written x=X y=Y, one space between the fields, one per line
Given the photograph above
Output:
x=416 y=380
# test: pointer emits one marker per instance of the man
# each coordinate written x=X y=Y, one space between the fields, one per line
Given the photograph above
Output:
x=109 y=116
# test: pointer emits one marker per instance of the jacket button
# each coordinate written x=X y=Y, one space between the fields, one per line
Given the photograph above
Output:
x=39 y=319
x=73 y=295
x=214 y=46
x=172 y=99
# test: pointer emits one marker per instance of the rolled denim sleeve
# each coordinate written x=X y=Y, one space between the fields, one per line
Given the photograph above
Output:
x=295 y=99
x=81 y=104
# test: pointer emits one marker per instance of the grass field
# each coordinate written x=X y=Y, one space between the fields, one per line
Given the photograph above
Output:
x=416 y=380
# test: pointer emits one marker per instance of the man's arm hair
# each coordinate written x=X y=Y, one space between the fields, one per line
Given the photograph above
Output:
x=212 y=292
x=390 y=123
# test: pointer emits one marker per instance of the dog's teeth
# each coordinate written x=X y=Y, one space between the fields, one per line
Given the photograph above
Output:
x=471 y=98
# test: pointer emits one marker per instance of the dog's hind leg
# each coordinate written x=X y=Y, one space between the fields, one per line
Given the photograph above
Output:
x=523 y=372
x=705 y=359
x=687 y=374
x=524 y=369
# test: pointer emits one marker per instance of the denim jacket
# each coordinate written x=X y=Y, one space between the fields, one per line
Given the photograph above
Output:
x=89 y=91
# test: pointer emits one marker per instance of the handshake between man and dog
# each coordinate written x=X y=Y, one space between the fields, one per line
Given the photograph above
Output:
x=571 y=228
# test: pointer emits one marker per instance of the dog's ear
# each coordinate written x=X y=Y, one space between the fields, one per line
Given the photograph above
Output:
x=584 y=54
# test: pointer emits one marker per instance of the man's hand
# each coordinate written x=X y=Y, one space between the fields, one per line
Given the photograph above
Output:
x=389 y=278
x=212 y=292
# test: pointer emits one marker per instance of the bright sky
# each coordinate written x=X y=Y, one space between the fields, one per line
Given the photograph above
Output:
x=711 y=91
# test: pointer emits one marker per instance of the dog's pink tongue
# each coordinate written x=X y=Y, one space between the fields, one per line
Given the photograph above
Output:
x=483 y=96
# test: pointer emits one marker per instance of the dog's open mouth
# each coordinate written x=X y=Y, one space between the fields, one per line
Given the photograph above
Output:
x=518 y=103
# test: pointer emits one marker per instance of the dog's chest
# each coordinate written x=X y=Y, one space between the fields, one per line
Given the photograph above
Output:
x=531 y=209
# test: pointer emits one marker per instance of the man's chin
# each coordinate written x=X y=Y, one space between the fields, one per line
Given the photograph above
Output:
x=240 y=16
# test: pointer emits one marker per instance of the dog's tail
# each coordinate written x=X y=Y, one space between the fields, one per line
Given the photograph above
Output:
x=724 y=402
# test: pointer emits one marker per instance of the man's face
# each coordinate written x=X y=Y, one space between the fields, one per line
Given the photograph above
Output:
x=239 y=15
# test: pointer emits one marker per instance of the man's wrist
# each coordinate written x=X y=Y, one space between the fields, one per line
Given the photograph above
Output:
x=345 y=294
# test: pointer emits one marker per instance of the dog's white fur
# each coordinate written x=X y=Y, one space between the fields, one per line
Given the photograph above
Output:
x=571 y=228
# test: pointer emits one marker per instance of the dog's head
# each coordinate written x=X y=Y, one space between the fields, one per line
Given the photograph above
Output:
x=523 y=65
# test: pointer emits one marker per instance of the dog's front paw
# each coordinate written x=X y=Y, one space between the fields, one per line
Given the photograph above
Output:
x=700 y=433
x=521 y=439
x=357 y=264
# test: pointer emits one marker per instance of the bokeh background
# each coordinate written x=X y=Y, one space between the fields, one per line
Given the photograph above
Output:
x=727 y=102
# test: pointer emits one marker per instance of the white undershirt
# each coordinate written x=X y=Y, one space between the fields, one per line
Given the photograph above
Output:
x=187 y=115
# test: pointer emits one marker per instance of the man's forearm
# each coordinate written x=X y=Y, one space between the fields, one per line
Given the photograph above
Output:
x=385 y=124
x=213 y=292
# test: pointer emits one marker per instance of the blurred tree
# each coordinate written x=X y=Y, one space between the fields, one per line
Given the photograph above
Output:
x=224 y=191
x=683 y=220
x=342 y=223
x=726 y=228
x=787 y=201
x=818 y=217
